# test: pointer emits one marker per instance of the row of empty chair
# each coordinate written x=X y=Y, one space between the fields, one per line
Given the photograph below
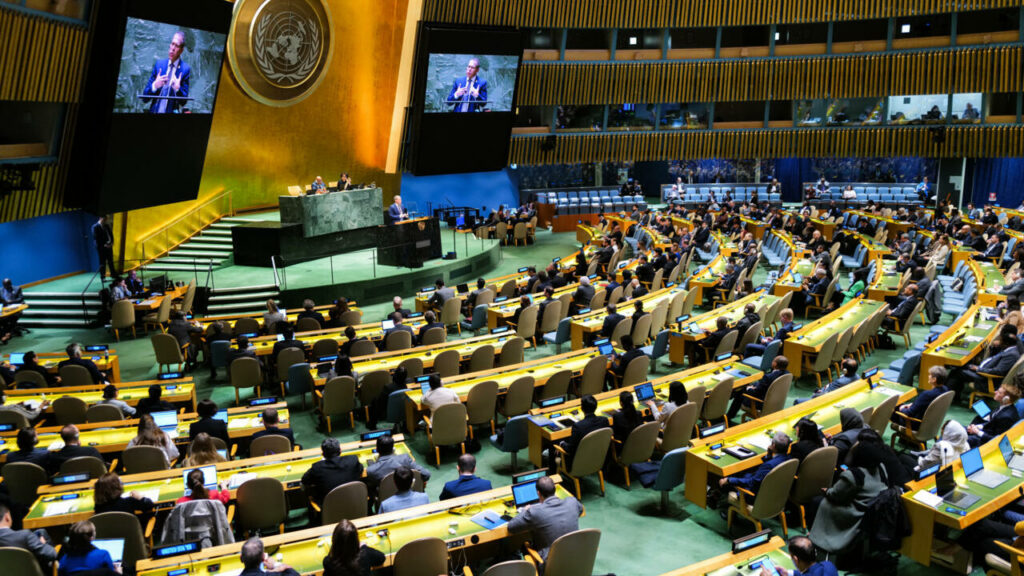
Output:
x=696 y=194
x=590 y=201
x=869 y=192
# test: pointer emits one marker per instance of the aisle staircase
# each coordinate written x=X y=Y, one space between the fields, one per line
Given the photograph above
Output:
x=59 y=309
x=211 y=246
x=242 y=300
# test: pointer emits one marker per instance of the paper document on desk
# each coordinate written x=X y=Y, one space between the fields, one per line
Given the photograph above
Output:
x=147 y=302
x=928 y=499
x=760 y=440
x=58 y=508
x=973 y=338
x=722 y=376
x=984 y=326
x=239 y=479
x=55 y=446
x=887 y=391
x=539 y=420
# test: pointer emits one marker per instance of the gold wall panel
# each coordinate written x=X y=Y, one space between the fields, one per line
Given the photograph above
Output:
x=41 y=60
x=257 y=151
x=961 y=141
x=683 y=13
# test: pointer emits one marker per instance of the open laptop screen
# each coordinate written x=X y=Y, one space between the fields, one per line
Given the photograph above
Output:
x=221 y=415
x=17 y=359
x=209 y=478
x=113 y=546
x=971 y=461
x=165 y=419
x=644 y=392
x=525 y=493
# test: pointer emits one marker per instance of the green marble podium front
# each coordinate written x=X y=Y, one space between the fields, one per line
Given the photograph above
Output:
x=323 y=214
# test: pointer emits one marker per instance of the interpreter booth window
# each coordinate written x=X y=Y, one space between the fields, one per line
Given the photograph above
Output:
x=810 y=113
x=544 y=39
x=639 y=44
x=1001 y=108
x=533 y=116
x=631 y=117
x=685 y=116
x=920 y=109
x=579 y=118
x=854 y=111
x=686 y=43
x=966 y=108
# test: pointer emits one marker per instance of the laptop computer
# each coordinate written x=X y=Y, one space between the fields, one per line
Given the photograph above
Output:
x=209 y=478
x=387 y=324
x=221 y=415
x=1013 y=460
x=975 y=471
x=981 y=409
x=113 y=546
x=644 y=392
x=945 y=486
x=424 y=383
x=166 y=420
x=605 y=348
x=462 y=288
x=525 y=493
x=16 y=359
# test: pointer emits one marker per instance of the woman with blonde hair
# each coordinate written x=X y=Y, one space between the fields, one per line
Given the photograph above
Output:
x=151 y=435
x=202 y=451
x=272 y=316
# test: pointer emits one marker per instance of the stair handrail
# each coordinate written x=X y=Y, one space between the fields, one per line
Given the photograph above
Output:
x=190 y=213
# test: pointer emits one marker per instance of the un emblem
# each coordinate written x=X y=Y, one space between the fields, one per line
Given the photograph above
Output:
x=280 y=50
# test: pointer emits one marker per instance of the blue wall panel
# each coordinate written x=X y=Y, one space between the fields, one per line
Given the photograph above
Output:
x=48 y=246
x=475 y=190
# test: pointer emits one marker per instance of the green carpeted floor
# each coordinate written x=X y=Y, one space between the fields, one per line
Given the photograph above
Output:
x=636 y=538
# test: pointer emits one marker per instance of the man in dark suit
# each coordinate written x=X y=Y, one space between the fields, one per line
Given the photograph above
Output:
x=750 y=317
x=630 y=352
x=72 y=449
x=469 y=93
x=644 y=271
x=999 y=420
x=611 y=320
x=992 y=249
x=331 y=472
x=582 y=427
x=398 y=327
x=549 y=297
x=37 y=542
x=270 y=421
x=777 y=454
x=786 y=317
x=256 y=562
x=524 y=303
x=153 y=402
x=1003 y=354
x=901 y=313
x=432 y=322
x=31 y=365
x=1014 y=284
x=713 y=339
x=780 y=367
x=352 y=338
x=583 y=294
x=397 y=212
x=308 y=311
x=27 y=451
x=467 y=482
x=638 y=289
x=74 y=352
x=396 y=303
x=937 y=380
x=289 y=341
x=170 y=77
x=470 y=302
x=441 y=295
x=207 y=409
x=549 y=519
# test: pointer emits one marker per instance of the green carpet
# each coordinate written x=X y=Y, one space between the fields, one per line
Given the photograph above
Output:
x=636 y=539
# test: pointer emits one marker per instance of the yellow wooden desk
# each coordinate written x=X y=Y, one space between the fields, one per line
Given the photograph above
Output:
x=705 y=279
x=554 y=423
x=154 y=301
x=886 y=282
x=755 y=227
x=874 y=247
x=390 y=360
x=726 y=247
x=586 y=233
x=174 y=391
x=106 y=361
x=895 y=227
x=8 y=311
x=304 y=550
x=962 y=341
x=62 y=505
x=583 y=326
x=291 y=314
x=540 y=369
x=264 y=345
x=684 y=336
x=923 y=517
x=785 y=284
x=730 y=564
x=990 y=284
x=702 y=462
x=809 y=339
x=498 y=313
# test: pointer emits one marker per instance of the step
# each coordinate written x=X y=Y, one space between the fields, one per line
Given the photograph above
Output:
x=223 y=232
x=42 y=294
x=54 y=323
x=251 y=297
x=211 y=240
x=199 y=253
x=89 y=303
x=236 y=307
x=234 y=220
x=170 y=267
x=66 y=313
x=258 y=288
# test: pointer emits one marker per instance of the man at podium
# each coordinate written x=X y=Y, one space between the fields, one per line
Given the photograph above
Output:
x=469 y=94
x=170 y=77
x=396 y=212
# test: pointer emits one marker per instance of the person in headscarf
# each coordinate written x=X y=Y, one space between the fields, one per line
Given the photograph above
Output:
x=947 y=450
